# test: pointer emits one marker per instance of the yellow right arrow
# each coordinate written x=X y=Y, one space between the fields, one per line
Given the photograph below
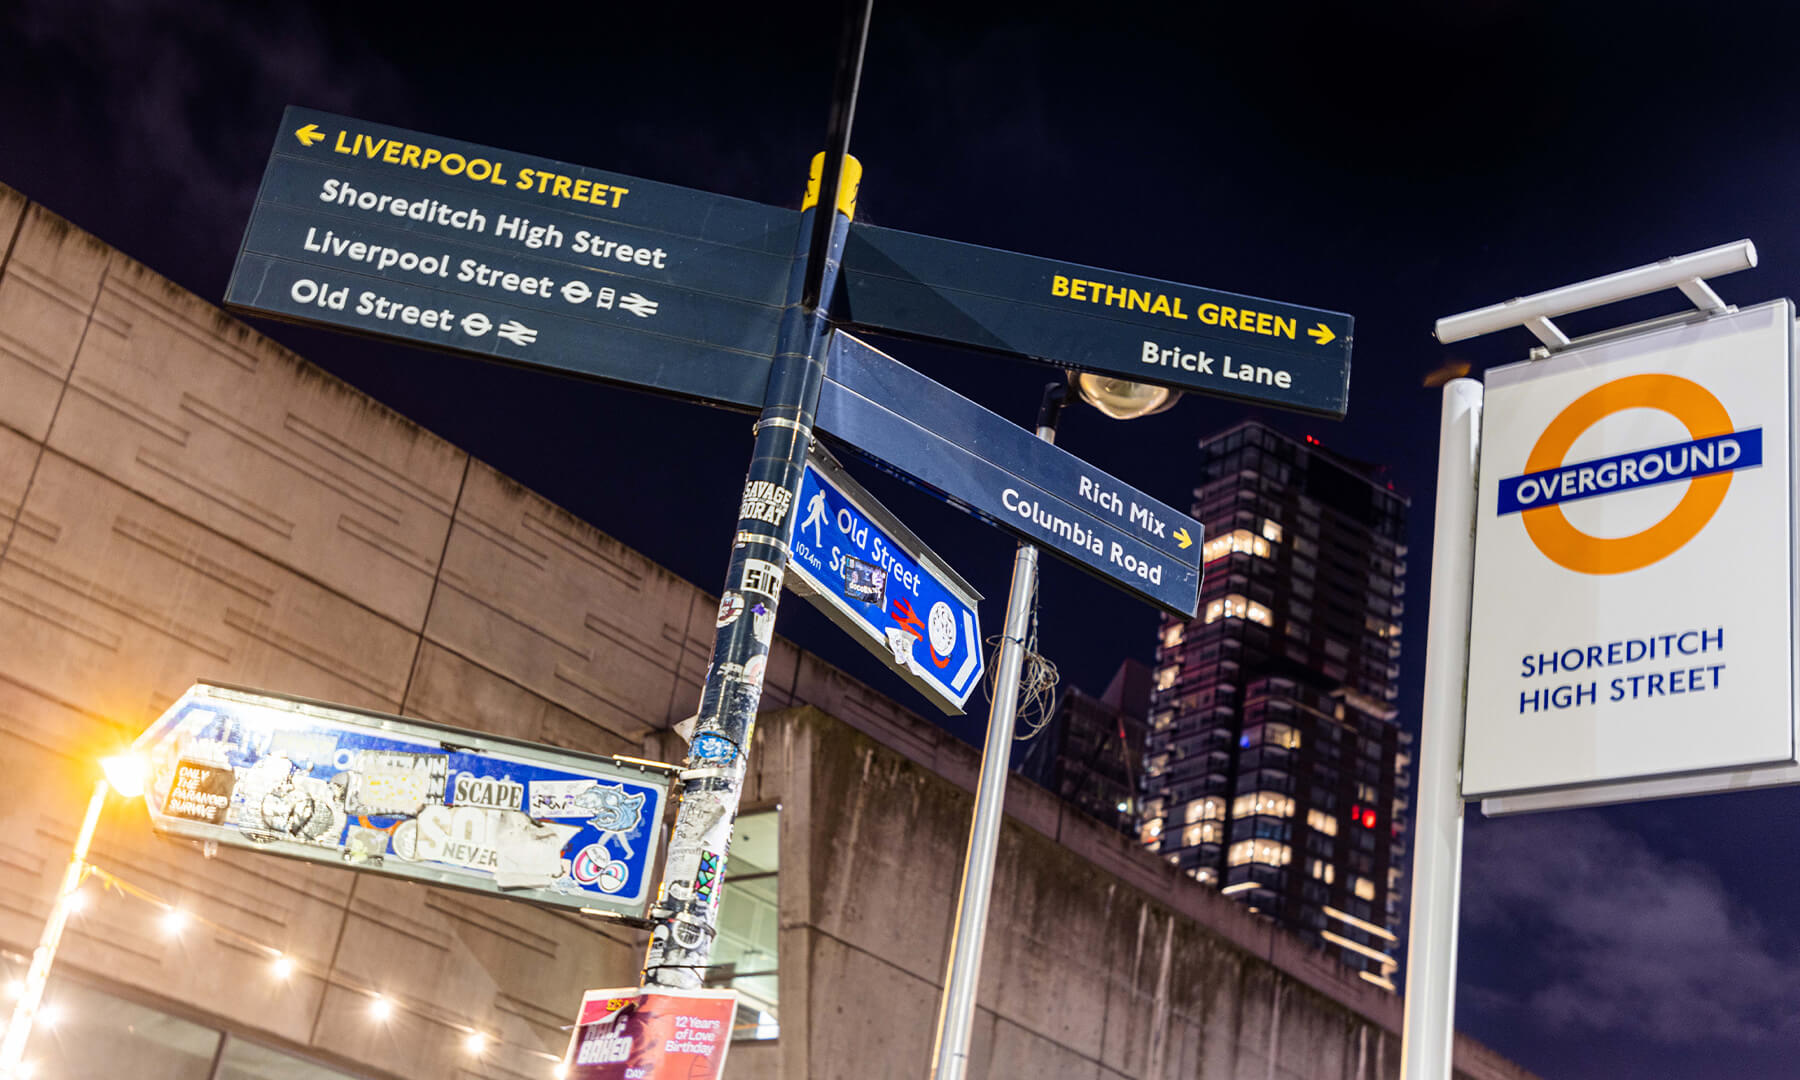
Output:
x=1182 y=537
x=1322 y=334
x=311 y=134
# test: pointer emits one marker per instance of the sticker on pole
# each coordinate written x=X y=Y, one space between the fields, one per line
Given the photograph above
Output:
x=628 y=1034
x=869 y=574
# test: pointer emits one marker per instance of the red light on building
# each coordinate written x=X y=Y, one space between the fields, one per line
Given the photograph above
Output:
x=1368 y=819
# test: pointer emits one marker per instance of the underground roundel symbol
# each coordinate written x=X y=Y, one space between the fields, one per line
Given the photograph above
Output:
x=1687 y=401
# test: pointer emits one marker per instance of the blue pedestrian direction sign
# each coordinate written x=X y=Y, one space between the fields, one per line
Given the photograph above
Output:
x=1131 y=327
x=869 y=574
x=455 y=246
x=1005 y=475
x=404 y=798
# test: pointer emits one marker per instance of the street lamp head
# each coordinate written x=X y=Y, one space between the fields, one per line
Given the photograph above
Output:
x=1122 y=399
x=125 y=772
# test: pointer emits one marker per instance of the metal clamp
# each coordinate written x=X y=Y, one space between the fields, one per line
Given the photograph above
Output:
x=761 y=538
x=781 y=422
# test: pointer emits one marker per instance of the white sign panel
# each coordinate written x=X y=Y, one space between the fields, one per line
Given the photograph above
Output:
x=1634 y=561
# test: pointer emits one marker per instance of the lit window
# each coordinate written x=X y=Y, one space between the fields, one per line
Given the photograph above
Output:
x=1267 y=852
x=1271 y=734
x=1211 y=808
x=1270 y=803
x=1271 y=531
x=1205 y=875
x=1322 y=870
x=1165 y=677
x=1238 y=540
x=1365 y=889
x=1322 y=821
x=1207 y=832
x=1235 y=606
x=1150 y=830
x=1367 y=793
x=744 y=953
x=1172 y=636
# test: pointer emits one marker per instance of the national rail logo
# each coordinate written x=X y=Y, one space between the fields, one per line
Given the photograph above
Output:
x=1706 y=461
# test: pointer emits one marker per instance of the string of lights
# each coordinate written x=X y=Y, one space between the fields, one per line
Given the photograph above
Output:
x=176 y=919
x=1037 y=681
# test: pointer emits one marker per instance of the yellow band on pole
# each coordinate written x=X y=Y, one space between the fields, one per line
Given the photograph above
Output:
x=848 y=183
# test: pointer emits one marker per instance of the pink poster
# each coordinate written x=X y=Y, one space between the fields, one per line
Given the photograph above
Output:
x=665 y=1035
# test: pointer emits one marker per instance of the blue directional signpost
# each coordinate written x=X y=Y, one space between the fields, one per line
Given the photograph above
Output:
x=450 y=245
x=1074 y=316
x=1004 y=475
x=454 y=246
x=403 y=798
x=869 y=574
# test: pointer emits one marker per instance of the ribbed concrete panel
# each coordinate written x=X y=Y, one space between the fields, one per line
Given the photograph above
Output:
x=558 y=607
x=47 y=290
x=12 y=210
x=181 y=403
x=116 y=604
x=18 y=455
x=450 y=689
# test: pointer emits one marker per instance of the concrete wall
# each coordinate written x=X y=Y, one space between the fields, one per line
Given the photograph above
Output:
x=1101 y=962
x=181 y=498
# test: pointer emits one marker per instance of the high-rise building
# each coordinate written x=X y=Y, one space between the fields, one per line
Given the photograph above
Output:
x=1275 y=768
x=1091 y=749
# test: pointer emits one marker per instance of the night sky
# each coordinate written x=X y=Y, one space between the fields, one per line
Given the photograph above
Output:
x=1399 y=162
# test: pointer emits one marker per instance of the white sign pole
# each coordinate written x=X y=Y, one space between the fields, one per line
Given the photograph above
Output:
x=1426 y=1040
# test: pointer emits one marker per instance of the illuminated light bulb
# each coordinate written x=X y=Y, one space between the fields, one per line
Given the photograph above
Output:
x=380 y=1008
x=559 y=1070
x=126 y=773
x=78 y=901
x=475 y=1043
x=15 y=988
x=26 y=1070
x=282 y=966
x=1123 y=399
x=174 y=921
x=49 y=1016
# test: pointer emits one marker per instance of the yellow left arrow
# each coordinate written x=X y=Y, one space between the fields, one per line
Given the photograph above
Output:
x=1183 y=539
x=309 y=134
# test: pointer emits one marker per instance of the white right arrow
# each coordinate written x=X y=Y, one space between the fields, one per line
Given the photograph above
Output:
x=972 y=658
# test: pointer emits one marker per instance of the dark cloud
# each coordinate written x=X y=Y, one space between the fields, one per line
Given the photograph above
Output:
x=170 y=104
x=1621 y=937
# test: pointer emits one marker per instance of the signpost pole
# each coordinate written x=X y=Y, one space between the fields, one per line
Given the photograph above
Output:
x=956 y=1014
x=18 y=1030
x=685 y=915
x=1426 y=1042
